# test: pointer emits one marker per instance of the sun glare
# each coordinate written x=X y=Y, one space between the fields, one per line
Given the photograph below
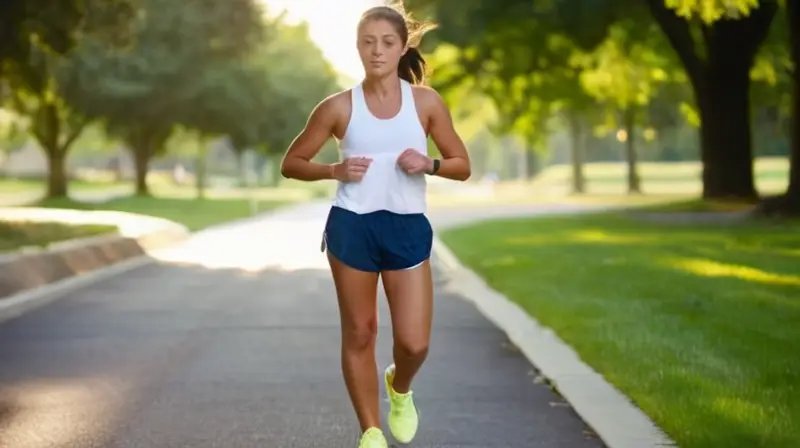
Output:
x=332 y=26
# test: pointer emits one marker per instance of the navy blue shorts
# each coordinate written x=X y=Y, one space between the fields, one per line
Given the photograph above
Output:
x=378 y=241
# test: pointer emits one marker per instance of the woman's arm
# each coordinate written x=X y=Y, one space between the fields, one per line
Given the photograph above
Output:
x=455 y=163
x=297 y=162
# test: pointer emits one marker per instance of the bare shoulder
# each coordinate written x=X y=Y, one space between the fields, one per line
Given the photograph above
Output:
x=428 y=98
x=336 y=105
x=333 y=113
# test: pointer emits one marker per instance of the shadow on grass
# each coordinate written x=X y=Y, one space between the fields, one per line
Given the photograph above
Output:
x=694 y=323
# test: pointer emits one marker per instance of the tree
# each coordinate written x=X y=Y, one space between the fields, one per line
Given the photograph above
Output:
x=625 y=72
x=37 y=38
x=783 y=64
x=37 y=93
x=142 y=93
x=758 y=14
x=718 y=65
x=32 y=25
x=527 y=57
x=716 y=51
x=791 y=199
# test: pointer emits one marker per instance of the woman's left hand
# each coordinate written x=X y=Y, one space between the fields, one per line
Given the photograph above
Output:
x=414 y=162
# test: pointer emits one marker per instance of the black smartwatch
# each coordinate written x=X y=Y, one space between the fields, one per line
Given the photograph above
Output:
x=436 y=163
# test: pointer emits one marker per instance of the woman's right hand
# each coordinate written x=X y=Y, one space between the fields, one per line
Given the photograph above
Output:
x=352 y=169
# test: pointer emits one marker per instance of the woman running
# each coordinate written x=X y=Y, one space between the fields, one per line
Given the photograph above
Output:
x=377 y=225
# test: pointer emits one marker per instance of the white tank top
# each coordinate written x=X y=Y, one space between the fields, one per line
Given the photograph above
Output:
x=385 y=186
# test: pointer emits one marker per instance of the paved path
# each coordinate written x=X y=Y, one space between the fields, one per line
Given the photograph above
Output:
x=232 y=341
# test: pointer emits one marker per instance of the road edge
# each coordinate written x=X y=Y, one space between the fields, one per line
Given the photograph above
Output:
x=615 y=419
x=22 y=301
x=16 y=305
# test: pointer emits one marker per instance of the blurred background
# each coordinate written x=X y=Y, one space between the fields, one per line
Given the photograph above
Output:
x=675 y=120
x=176 y=99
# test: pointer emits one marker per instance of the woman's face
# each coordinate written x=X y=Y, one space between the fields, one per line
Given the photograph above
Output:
x=380 y=47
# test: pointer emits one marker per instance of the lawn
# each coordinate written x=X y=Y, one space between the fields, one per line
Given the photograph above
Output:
x=15 y=235
x=697 y=324
x=14 y=185
x=195 y=214
x=771 y=176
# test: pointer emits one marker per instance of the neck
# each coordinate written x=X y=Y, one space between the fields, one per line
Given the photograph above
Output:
x=382 y=87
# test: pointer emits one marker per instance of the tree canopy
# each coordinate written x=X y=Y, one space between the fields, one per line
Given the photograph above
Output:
x=589 y=62
x=204 y=66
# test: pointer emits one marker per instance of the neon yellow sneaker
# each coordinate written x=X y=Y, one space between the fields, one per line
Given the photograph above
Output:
x=373 y=438
x=403 y=417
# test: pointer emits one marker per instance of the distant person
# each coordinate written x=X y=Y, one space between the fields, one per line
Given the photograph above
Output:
x=377 y=225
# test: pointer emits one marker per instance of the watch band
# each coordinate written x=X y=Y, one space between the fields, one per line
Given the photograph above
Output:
x=436 y=163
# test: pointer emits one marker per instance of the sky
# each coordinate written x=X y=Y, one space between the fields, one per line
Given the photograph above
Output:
x=332 y=26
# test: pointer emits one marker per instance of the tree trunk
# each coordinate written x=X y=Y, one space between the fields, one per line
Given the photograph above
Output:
x=793 y=13
x=577 y=147
x=531 y=163
x=634 y=183
x=57 y=174
x=141 y=161
x=200 y=168
x=788 y=204
x=723 y=96
x=721 y=84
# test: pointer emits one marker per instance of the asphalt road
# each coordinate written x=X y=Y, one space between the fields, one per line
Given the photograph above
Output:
x=231 y=340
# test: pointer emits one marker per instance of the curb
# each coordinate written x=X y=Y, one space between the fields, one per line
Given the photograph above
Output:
x=34 y=277
x=16 y=305
x=617 y=421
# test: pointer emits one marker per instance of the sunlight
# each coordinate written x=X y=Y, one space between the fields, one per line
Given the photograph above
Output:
x=275 y=245
x=584 y=236
x=711 y=268
x=130 y=225
x=331 y=27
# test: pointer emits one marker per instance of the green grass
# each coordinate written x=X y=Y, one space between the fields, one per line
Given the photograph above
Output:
x=697 y=324
x=17 y=234
x=684 y=178
x=698 y=206
x=11 y=185
x=196 y=214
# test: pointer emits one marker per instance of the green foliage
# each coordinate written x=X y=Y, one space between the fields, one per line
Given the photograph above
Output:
x=286 y=77
x=665 y=63
x=710 y=11
x=706 y=356
x=164 y=79
x=527 y=56
x=26 y=26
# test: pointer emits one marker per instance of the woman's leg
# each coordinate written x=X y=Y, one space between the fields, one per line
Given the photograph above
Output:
x=357 y=295
x=410 y=296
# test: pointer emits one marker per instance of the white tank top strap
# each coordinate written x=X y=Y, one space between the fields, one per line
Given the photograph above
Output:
x=407 y=93
x=359 y=103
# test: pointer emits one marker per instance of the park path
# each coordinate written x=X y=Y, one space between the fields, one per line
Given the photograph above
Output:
x=231 y=340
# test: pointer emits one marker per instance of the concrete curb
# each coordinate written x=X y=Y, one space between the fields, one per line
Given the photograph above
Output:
x=28 y=300
x=617 y=421
x=34 y=277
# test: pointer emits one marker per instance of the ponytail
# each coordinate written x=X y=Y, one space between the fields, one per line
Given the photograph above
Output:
x=412 y=66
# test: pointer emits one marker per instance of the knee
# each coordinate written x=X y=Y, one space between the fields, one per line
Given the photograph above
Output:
x=360 y=335
x=412 y=349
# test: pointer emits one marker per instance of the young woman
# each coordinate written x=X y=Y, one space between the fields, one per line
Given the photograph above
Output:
x=377 y=224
